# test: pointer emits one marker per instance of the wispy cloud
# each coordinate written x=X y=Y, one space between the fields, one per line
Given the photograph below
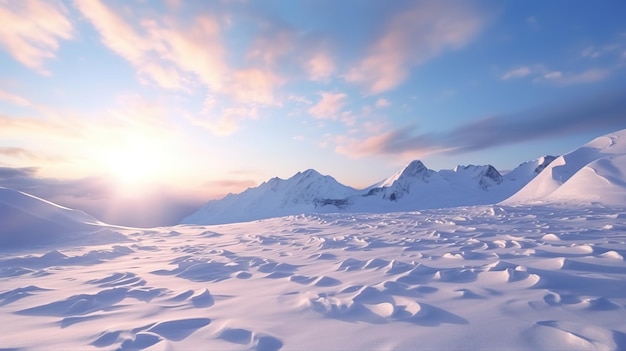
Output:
x=602 y=112
x=161 y=53
x=329 y=106
x=381 y=102
x=412 y=37
x=13 y=98
x=17 y=152
x=320 y=66
x=518 y=72
x=225 y=121
x=540 y=73
x=31 y=30
x=589 y=76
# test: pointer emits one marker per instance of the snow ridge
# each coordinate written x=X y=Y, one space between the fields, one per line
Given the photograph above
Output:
x=593 y=172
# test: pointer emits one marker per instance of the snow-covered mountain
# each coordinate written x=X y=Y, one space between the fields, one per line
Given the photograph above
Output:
x=305 y=192
x=29 y=221
x=412 y=188
x=595 y=172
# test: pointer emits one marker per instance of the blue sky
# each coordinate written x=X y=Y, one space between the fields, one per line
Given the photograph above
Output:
x=105 y=105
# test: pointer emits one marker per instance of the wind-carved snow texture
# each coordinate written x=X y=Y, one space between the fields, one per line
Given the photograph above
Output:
x=485 y=277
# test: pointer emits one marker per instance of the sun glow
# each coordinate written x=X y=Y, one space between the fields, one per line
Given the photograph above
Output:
x=137 y=164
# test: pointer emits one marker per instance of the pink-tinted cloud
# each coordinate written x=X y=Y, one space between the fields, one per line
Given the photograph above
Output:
x=225 y=122
x=329 y=106
x=253 y=85
x=320 y=66
x=31 y=30
x=557 y=119
x=380 y=103
x=398 y=142
x=14 y=99
x=17 y=152
x=413 y=37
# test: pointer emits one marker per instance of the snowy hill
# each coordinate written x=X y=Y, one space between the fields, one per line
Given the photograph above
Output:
x=305 y=192
x=29 y=221
x=412 y=188
x=595 y=172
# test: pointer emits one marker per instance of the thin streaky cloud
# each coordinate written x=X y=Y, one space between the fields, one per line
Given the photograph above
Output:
x=600 y=112
x=31 y=31
x=412 y=37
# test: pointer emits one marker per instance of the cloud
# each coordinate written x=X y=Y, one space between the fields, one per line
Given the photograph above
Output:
x=14 y=99
x=395 y=142
x=224 y=123
x=533 y=22
x=31 y=30
x=17 y=152
x=380 y=103
x=588 y=76
x=162 y=53
x=602 y=112
x=320 y=66
x=329 y=106
x=254 y=86
x=412 y=37
x=517 y=73
x=542 y=73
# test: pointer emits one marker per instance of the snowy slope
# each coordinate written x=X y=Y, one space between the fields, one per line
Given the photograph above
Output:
x=593 y=172
x=28 y=221
x=413 y=187
x=305 y=192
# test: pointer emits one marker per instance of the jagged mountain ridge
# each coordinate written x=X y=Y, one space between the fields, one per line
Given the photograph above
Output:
x=411 y=188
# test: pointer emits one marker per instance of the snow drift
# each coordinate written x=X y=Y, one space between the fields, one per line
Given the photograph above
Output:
x=29 y=221
x=595 y=172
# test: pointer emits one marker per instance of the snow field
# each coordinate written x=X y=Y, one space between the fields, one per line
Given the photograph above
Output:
x=485 y=277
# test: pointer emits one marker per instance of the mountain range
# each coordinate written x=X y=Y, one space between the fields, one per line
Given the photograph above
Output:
x=592 y=173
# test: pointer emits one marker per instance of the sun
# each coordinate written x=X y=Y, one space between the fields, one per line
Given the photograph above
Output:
x=136 y=163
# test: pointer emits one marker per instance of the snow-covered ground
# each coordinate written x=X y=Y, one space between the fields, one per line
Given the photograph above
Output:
x=485 y=277
x=543 y=270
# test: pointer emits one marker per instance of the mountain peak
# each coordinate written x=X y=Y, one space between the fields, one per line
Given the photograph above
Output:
x=414 y=168
x=308 y=173
x=544 y=162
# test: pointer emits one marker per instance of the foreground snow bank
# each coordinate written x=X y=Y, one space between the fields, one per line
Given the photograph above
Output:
x=27 y=221
x=488 y=277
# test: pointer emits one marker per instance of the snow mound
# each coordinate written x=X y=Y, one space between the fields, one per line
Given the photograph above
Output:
x=29 y=221
x=594 y=172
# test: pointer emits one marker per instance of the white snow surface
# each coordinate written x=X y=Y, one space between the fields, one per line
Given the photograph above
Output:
x=594 y=172
x=26 y=220
x=531 y=277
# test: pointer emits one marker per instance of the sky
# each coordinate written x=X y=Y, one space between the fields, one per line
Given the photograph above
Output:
x=140 y=111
